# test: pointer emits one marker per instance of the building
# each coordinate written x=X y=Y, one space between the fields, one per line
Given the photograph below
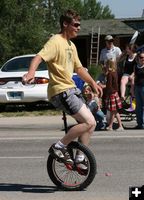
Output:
x=121 y=29
x=137 y=24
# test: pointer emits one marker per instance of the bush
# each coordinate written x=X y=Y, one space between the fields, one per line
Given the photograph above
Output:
x=94 y=71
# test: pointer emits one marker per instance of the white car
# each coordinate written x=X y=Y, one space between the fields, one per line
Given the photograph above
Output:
x=14 y=91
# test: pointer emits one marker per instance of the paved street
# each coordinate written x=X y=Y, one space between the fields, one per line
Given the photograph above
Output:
x=24 y=142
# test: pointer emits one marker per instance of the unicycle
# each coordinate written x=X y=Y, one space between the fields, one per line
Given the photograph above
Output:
x=72 y=177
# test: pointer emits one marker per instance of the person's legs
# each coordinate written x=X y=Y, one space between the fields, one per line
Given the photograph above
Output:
x=119 y=119
x=124 y=81
x=139 y=94
x=84 y=129
x=72 y=103
x=142 y=93
x=111 y=120
x=132 y=86
x=99 y=116
x=138 y=106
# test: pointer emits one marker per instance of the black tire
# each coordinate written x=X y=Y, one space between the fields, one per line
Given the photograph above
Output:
x=2 y=107
x=70 y=179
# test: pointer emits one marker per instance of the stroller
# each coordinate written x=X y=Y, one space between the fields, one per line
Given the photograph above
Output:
x=129 y=106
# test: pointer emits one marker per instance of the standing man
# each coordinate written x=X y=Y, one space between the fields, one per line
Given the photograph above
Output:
x=61 y=55
x=110 y=52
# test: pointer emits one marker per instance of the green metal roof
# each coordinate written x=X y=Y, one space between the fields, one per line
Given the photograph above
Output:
x=109 y=26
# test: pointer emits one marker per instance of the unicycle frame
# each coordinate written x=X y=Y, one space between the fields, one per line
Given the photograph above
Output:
x=64 y=118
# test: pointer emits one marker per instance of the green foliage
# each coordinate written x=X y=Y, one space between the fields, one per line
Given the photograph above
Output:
x=93 y=9
x=56 y=7
x=94 y=71
x=21 y=28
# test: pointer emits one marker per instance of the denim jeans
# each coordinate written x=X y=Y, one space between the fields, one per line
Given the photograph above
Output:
x=139 y=95
x=99 y=116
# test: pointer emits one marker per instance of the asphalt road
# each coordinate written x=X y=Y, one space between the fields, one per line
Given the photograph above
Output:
x=24 y=142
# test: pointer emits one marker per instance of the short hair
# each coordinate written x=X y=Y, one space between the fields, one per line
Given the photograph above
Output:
x=68 y=17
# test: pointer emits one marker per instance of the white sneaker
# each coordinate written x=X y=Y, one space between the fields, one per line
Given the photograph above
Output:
x=109 y=128
x=81 y=161
x=82 y=167
x=120 y=129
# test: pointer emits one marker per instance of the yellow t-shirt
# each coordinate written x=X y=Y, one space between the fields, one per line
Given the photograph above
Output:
x=62 y=58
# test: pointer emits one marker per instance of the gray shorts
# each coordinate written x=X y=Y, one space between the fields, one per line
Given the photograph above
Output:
x=69 y=101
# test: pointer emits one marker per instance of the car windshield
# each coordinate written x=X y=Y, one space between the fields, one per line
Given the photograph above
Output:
x=21 y=64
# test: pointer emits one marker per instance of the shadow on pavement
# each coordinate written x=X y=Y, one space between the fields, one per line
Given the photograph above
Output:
x=8 y=187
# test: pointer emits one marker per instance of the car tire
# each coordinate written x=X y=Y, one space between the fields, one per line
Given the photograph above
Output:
x=2 y=107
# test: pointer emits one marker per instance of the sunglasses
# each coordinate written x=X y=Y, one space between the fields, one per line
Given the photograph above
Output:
x=141 y=57
x=76 y=25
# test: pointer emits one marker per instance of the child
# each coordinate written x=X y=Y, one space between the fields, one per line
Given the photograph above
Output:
x=93 y=102
x=113 y=102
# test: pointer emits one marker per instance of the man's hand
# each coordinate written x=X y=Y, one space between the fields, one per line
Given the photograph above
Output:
x=28 y=78
x=98 y=90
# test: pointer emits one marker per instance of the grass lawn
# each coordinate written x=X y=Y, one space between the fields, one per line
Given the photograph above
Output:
x=18 y=111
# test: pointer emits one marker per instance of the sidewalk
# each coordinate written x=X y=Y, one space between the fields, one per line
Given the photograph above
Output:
x=52 y=127
x=49 y=120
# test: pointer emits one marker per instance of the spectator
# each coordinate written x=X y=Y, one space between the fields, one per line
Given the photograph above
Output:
x=113 y=102
x=139 y=90
x=94 y=104
x=128 y=72
x=110 y=51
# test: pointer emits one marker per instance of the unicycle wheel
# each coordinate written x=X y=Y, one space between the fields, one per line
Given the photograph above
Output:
x=73 y=177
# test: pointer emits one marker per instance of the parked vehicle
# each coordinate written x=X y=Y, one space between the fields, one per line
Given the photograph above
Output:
x=14 y=91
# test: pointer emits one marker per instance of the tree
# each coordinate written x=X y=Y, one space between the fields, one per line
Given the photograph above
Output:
x=88 y=9
x=93 y=9
x=21 y=28
x=56 y=7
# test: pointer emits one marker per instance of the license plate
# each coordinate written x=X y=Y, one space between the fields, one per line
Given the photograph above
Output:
x=15 y=95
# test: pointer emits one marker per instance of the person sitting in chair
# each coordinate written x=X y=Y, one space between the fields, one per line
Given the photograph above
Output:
x=128 y=73
x=94 y=104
